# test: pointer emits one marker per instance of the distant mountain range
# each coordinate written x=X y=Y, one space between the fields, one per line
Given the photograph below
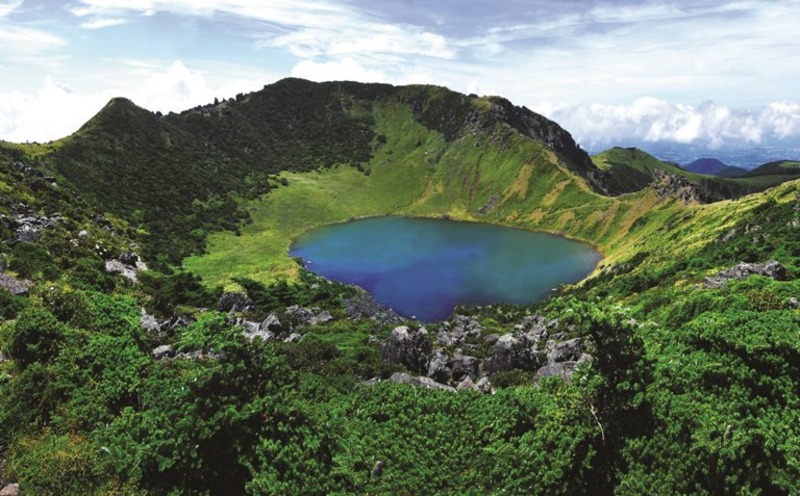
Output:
x=742 y=156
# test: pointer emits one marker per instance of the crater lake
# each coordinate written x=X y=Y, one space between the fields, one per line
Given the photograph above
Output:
x=423 y=268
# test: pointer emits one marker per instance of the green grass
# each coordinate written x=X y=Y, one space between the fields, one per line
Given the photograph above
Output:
x=416 y=173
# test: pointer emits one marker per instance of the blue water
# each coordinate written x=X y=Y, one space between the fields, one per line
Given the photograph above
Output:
x=423 y=268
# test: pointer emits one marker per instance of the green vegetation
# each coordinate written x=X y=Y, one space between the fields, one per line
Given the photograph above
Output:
x=692 y=389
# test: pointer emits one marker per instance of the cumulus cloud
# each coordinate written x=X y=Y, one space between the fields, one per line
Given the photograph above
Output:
x=342 y=70
x=51 y=112
x=653 y=120
x=54 y=110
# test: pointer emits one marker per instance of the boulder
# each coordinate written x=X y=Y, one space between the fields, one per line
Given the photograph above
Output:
x=128 y=265
x=484 y=386
x=272 y=324
x=163 y=351
x=565 y=351
x=293 y=338
x=13 y=285
x=439 y=367
x=467 y=384
x=407 y=347
x=464 y=366
x=265 y=331
x=10 y=490
x=298 y=316
x=773 y=270
x=513 y=352
x=234 y=302
x=457 y=330
x=419 y=381
x=149 y=323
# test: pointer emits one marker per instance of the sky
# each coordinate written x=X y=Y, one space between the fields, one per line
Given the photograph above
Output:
x=701 y=72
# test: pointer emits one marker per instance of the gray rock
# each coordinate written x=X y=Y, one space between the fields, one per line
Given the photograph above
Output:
x=407 y=347
x=149 y=323
x=13 y=285
x=484 y=386
x=293 y=338
x=560 y=369
x=364 y=306
x=163 y=351
x=253 y=330
x=272 y=324
x=175 y=322
x=234 y=302
x=773 y=270
x=467 y=384
x=457 y=330
x=565 y=351
x=419 y=381
x=115 y=266
x=513 y=352
x=793 y=303
x=464 y=365
x=10 y=490
x=439 y=367
x=299 y=317
x=28 y=228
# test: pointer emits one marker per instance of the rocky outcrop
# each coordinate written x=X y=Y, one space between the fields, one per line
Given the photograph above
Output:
x=536 y=344
x=364 y=306
x=28 y=228
x=459 y=330
x=524 y=349
x=408 y=347
x=14 y=285
x=163 y=351
x=297 y=317
x=774 y=270
x=234 y=302
x=165 y=327
x=672 y=186
x=128 y=265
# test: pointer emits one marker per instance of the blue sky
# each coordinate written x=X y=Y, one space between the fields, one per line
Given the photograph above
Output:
x=704 y=71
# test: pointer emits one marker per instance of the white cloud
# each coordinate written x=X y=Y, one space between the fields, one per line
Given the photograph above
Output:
x=54 y=110
x=342 y=70
x=102 y=22
x=7 y=7
x=177 y=89
x=365 y=40
x=18 y=39
x=651 y=119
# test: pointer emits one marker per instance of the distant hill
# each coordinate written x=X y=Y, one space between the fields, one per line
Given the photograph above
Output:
x=714 y=167
x=778 y=168
x=631 y=169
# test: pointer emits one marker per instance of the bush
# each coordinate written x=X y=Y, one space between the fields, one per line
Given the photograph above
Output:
x=37 y=336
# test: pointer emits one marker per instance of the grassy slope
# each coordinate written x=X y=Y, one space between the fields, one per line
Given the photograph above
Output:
x=632 y=169
x=417 y=173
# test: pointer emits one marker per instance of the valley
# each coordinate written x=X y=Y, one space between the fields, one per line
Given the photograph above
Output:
x=157 y=338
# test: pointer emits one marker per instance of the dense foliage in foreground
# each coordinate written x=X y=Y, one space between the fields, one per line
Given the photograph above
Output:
x=692 y=390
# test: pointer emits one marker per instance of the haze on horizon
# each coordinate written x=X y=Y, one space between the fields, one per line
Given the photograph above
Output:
x=708 y=72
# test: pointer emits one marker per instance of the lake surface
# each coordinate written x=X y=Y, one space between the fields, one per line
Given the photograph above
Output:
x=423 y=268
